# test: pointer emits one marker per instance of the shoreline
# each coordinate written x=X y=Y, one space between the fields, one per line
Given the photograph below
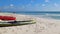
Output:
x=42 y=26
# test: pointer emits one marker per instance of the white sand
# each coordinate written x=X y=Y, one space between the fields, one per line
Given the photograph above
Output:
x=42 y=26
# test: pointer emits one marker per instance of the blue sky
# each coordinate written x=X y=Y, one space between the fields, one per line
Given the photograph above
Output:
x=30 y=5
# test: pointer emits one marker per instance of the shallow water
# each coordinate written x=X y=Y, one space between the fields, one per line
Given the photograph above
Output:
x=44 y=15
x=53 y=15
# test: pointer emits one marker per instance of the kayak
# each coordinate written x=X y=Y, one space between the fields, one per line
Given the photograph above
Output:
x=16 y=23
x=9 y=19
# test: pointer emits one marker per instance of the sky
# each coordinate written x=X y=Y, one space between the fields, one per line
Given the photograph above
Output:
x=29 y=5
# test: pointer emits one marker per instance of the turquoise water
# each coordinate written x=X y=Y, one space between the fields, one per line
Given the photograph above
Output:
x=53 y=15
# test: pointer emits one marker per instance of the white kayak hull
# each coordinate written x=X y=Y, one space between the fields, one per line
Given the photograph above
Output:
x=2 y=24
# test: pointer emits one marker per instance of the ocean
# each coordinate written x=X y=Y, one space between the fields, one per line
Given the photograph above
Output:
x=44 y=14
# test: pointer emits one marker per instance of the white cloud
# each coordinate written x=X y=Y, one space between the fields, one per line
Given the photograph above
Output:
x=46 y=0
x=29 y=4
x=32 y=1
x=55 y=4
x=43 y=5
x=11 y=5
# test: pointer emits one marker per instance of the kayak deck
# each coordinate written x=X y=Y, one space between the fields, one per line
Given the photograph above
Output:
x=15 y=23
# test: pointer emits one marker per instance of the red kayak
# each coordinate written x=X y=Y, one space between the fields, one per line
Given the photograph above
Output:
x=7 y=18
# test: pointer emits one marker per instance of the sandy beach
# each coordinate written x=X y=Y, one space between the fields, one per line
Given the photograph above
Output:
x=42 y=26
